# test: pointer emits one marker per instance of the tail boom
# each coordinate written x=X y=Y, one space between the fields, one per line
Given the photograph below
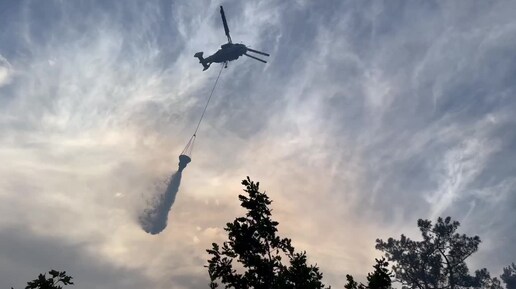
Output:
x=203 y=61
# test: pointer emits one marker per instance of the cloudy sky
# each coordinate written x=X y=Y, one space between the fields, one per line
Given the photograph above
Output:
x=368 y=116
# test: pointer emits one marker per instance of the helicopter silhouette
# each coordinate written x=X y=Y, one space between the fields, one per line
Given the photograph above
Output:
x=228 y=51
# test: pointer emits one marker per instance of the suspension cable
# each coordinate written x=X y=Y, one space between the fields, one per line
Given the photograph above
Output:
x=208 y=102
x=189 y=146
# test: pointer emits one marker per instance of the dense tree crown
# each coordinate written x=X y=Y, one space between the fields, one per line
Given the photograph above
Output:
x=509 y=276
x=438 y=261
x=380 y=278
x=254 y=256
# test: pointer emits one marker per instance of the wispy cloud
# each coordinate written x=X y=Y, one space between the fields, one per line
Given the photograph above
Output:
x=366 y=117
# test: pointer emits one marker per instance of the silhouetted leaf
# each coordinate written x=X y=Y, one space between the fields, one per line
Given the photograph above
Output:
x=53 y=282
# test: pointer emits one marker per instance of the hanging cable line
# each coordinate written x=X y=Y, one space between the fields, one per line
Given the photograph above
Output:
x=208 y=102
x=189 y=146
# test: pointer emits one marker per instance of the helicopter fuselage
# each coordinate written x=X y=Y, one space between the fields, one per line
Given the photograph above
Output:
x=227 y=52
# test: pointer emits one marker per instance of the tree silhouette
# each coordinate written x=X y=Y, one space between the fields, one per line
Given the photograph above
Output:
x=253 y=256
x=438 y=261
x=380 y=278
x=509 y=276
x=483 y=280
x=53 y=282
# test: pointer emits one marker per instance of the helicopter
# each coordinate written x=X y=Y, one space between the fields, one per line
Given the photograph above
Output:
x=228 y=51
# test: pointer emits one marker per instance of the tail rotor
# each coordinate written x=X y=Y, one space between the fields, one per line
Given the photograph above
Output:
x=202 y=60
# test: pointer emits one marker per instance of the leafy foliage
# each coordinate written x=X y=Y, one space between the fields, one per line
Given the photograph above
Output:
x=509 y=276
x=380 y=278
x=53 y=282
x=438 y=261
x=483 y=280
x=254 y=247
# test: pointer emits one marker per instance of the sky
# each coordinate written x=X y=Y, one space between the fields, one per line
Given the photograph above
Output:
x=368 y=116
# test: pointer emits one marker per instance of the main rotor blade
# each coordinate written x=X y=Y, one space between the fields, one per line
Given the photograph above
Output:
x=255 y=58
x=226 y=28
x=259 y=52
